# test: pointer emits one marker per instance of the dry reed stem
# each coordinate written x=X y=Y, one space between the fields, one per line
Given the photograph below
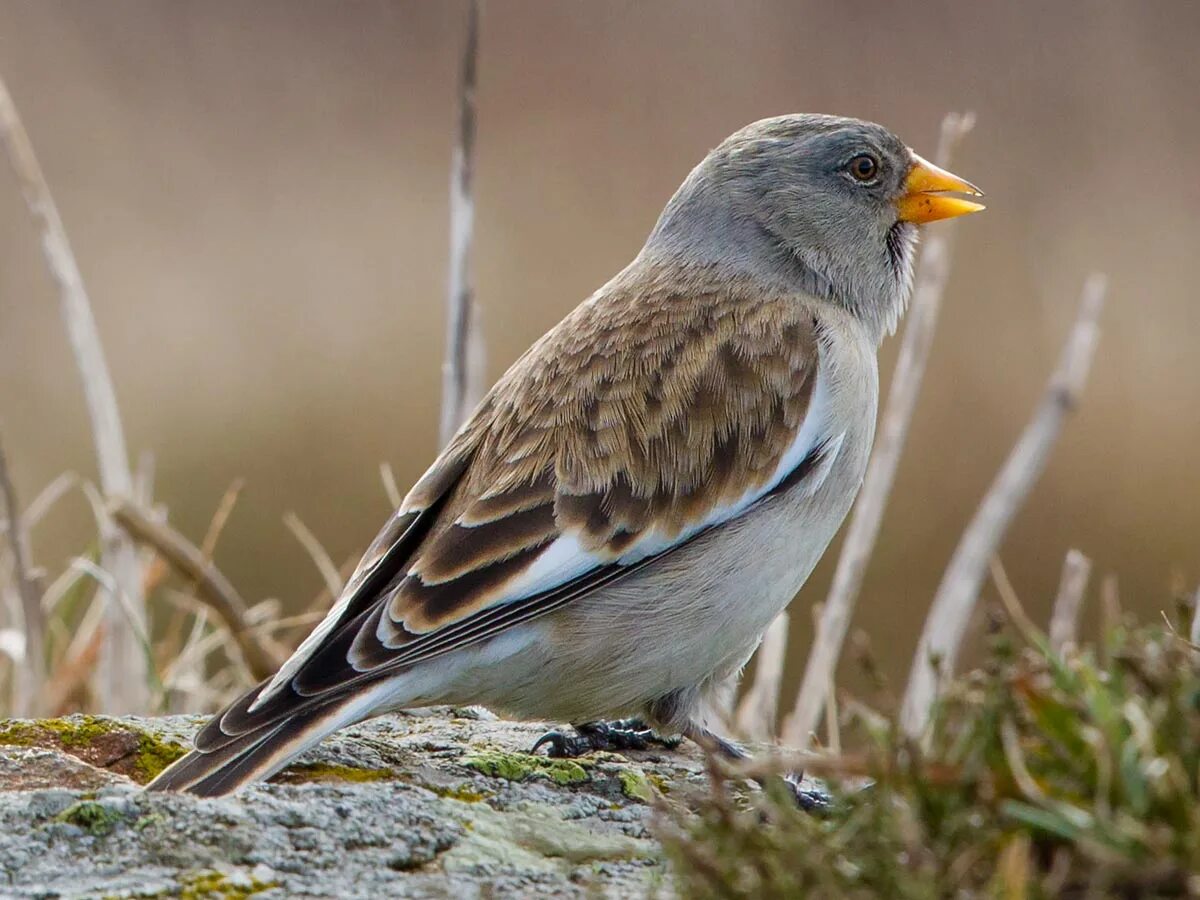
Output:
x=1068 y=604
x=460 y=303
x=123 y=683
x=388 y=477
x=320 y=556
x=947 y=621
x=47 y=497
x=173 y=644
x=30 y=680
x=755 y=719
x=75 y=671
x=262 y=657
x=1194 y=631
x=932 y=274
x=220 y=517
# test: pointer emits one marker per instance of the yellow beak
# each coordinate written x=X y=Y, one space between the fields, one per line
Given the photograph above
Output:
x=923 y=200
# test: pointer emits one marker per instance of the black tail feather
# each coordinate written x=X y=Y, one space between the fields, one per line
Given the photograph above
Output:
x=256 y=754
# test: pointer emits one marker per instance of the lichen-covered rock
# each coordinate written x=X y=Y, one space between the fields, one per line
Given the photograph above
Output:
x=441 y=803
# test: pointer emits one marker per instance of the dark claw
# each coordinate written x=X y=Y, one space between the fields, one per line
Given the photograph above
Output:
x=811 y=797
x=625 y=734
x=561 y=746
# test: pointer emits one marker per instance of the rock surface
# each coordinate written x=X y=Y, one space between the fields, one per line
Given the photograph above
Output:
x=444 y=803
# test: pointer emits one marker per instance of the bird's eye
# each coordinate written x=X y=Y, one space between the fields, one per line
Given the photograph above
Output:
x=864 y=167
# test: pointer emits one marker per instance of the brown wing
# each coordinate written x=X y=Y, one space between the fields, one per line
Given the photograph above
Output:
x=645 y=416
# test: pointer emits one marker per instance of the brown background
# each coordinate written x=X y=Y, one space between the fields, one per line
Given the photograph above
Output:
x=257 y=196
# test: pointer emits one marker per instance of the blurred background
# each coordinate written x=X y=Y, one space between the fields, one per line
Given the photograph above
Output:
x=257 y=196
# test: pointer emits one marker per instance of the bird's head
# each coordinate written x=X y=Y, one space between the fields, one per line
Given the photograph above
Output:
x=833 y=202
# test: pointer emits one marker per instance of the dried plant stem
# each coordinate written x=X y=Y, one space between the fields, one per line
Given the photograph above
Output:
x=456 y=374
x=946 y=624
x=212 y=587
x=75 y=669
x=932 y=275
x=756 y=713
x=1194 y=631
x=395 y=498
x=123 y=684
x=1064 y=620
x=31 y=680
x=320 y=556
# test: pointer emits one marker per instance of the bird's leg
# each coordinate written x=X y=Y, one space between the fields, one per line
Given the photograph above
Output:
x=590 y=737
x=810 y=797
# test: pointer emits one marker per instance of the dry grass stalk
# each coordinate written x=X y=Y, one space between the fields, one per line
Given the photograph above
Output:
x=956 y=596
x=390 y=487
x=1064 y=620
x=756 y=713
x=320 y=556
x=1012 y=602
x=460 y=303
x=173 y=644
x=220 y=518
x=124 y=686
x=932 y=274
x=30 y=680
x=262 y=657
x=1194 y=630
x=73 y=673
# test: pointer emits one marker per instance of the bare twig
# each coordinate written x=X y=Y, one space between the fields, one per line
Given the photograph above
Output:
x=460 y=297
x=262 y=658
x=932 y=274
x=31 y=691
x=47 y=497
x=220 y=517
x=395 y=498
x=1194 y=631
x=325 y=597
x=1064 y=620
x=756 y=713
x=123 y=683
x=955 y=598
x=75 y=670
x=320 y=556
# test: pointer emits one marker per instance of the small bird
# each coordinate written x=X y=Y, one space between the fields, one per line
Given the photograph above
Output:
x=609 y=535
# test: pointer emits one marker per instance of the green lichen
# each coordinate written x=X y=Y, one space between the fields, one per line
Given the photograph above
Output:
x=459 y=792
x=635 y=785
x=522 y=766
x=332 y=772
x=94 y=818
x=78 y=733
x=211 y=885
x=154 y=755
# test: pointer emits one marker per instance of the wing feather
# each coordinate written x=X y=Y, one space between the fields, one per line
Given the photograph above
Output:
x=644 y=418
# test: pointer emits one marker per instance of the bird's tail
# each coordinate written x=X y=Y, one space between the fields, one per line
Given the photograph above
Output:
x=226 y=759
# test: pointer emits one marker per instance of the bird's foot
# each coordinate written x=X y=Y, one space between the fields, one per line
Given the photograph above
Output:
x=624 y=734
x=810 y=796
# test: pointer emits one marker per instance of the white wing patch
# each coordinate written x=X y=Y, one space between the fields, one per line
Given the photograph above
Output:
x=565 y=559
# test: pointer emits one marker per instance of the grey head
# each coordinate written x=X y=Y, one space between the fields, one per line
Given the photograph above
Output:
x=827 y=204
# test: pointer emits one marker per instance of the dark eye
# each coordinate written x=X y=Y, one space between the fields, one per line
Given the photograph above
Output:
x=864 y=167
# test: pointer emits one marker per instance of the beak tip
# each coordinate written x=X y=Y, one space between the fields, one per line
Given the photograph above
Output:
x=927 y=188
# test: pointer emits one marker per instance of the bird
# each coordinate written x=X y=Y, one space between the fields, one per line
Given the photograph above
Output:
x=609 y=534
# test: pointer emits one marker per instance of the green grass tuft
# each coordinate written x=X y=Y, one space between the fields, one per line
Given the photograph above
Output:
x=94 y=818
x=1044 y=776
